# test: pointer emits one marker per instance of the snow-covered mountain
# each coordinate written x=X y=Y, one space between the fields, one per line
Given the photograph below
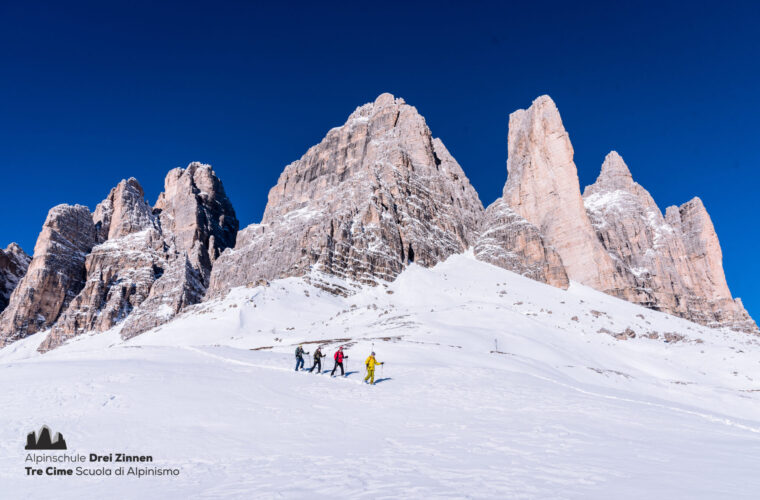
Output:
x=377 y=193
x=495 y=386
x=553 y=345
x=374 y=196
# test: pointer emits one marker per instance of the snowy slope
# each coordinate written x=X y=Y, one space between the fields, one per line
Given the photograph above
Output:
x=495 y=386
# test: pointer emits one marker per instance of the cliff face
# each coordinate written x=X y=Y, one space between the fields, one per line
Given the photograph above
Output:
x=712 y=304
x=55 y=275
x=673 y=263
x=197 y=222
x=633 y=231
x=543 y=188
x=120 y=270
x=13 y=265
x=376 y=194
x=511 y=242
x=92 y=272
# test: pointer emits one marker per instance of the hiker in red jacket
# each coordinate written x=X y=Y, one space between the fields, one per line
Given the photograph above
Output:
x=339 y=357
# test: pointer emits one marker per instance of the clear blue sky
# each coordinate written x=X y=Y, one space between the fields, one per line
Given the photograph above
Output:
x=91 y=93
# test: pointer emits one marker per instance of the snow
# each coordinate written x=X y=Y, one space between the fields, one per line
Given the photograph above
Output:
x=165 y=311
x=490 y=390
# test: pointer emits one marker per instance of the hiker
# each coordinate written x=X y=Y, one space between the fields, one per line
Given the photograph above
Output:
x=317 y=360
x=371 y=363
x=299 y=357
x=339 y=357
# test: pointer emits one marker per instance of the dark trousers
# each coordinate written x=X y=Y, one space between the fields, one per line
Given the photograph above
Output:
x=336 y=367
x=299 y=363
x=317 y=365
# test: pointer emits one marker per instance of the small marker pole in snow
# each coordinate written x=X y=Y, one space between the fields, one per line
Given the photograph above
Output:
x=496 y=345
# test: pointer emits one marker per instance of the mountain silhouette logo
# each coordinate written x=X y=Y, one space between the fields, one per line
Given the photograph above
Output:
x=42 y=441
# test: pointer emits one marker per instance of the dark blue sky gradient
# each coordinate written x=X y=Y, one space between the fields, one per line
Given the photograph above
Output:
x=91 y=93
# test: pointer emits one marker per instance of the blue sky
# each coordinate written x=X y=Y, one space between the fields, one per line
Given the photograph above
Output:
x=95 y=92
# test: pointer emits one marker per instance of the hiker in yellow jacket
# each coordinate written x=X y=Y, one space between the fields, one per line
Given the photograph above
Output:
x=371 y=363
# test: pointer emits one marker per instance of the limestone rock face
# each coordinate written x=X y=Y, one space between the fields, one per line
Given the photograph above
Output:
x=120 y=276
x=509 y=241
x=376 y=194
x=197 y=223
x=151 y=262
x=55 y=275
x=715 y=306
x=13 y=265
x=196 y=216
x=179 y=286
x=632 y=229
x=120 y=270
x=671 y=265
x=123 y=212
x=542 y=187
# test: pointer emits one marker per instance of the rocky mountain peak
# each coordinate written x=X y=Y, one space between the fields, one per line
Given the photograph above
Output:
x=375 y=195
x=155 y=261
x=124 y=211
x=55 y=275
x=387 y=99
x=615 y=175
x=543 y=188
x=13 y=248
x=196 y=215
x=672 y=263
x=13 y=265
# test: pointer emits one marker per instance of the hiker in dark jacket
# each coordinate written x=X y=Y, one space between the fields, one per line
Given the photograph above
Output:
x=339 y=357
x=299 y=357
x=317 y=360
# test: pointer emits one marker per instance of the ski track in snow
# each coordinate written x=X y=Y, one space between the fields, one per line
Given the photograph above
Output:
x=491 y=390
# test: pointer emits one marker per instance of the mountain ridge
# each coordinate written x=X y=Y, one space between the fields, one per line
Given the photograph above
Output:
x=376 y=194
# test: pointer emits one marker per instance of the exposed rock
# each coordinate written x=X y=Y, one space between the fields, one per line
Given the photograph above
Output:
x=197 y=223
x=151 y=262
x=120 y=270
x=55 y=275
x=13 y=265
x=376 y=194
x=672 y=337
x=714 y=304
x=509 y=241
x=123 y=212
x=628 y=333
x=196 y=216
x=120 y=275
x=644 y=247
x=542 y=186
x=181 y=285
x=671 y=265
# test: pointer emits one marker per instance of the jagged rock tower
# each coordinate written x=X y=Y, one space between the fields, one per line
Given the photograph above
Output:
x=55 y=275
x=13 y=265
x=672 y=264
x=126 y=264
x=543 y=188
x=376 y=194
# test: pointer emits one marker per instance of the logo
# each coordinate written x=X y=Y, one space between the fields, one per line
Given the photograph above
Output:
x=42 y=441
